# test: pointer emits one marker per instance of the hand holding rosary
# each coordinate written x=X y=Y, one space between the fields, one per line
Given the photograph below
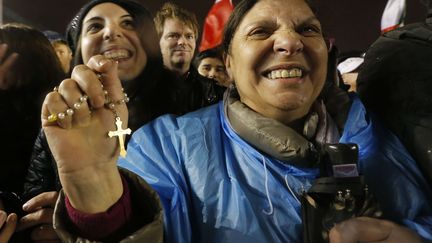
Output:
x=110 y=105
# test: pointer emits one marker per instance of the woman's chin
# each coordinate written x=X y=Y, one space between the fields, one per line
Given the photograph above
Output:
x=126 y=76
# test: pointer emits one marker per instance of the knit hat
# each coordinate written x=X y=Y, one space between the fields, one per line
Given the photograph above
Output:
x=54 y=36
x=73 y=30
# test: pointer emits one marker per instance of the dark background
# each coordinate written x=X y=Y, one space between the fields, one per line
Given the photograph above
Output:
x=355 y=24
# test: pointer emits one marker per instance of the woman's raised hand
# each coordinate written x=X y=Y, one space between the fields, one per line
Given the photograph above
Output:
x=77 y=118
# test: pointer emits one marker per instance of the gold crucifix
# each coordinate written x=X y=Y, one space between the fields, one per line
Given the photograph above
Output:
x=120 y=133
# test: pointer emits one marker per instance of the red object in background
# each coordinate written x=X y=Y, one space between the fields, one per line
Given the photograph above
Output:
x=214 y=24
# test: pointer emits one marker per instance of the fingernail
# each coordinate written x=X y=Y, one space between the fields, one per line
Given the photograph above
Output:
x=25 y=206
x=12 y=218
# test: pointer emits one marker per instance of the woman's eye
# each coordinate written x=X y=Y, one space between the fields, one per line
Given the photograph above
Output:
x=94 y=27
x=128 y=24
x=260 y=33
x=310 y=30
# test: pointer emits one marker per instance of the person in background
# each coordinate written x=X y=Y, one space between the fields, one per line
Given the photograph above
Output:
x=349 y=68
x=29 y=69
x=177 y=29
x=210 y=64
x=62 y=49
x=232 y=172
x=395 y=83
x=178 y=32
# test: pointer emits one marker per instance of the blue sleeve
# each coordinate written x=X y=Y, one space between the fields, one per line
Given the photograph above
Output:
x=390 y=172
x=152 y=154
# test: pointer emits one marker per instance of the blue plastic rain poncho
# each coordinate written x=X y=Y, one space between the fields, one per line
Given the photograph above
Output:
x=215 y=187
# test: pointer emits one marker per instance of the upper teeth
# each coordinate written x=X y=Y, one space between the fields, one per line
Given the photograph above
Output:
x=116 y=54
x=285 y=73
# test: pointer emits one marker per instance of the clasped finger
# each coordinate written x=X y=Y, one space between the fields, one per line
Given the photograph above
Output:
x=53 y=110
x=88 y=81
x=41 y=216
x=78 y=108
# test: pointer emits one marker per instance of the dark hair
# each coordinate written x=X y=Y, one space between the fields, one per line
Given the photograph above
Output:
x=209 y=53
x=146 y=31
x=142 y=19
x=240 y=10
x=37 y=66
x=34 y=73
x=147 y=92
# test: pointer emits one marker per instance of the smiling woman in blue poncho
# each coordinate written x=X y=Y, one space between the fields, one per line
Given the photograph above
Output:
x=231 y=172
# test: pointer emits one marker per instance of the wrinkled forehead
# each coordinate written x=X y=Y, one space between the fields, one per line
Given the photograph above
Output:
x=247 y=10
x=294 y=11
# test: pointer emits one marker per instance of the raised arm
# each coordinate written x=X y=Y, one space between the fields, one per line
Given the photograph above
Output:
x=77 y=122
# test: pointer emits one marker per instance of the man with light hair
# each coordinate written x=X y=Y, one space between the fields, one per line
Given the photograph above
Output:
x=178 y=31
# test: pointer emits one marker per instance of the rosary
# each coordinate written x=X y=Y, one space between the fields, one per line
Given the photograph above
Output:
x=120 y=132
x=109 y=104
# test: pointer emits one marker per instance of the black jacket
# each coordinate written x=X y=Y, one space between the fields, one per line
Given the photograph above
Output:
x=395 y=84
x=193 y=91
x=173 y=95
x=19 y=126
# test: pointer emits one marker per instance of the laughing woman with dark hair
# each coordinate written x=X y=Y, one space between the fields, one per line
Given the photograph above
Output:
x=121 y=30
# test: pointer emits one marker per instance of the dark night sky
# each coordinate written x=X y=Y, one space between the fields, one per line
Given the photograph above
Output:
x=353 y=23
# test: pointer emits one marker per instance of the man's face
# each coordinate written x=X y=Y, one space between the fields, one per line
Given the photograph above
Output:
x=177 y=44
x=64 y=54
x=212 y=67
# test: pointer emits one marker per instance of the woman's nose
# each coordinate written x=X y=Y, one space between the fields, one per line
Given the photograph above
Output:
x=288 y=42
x=112 y=32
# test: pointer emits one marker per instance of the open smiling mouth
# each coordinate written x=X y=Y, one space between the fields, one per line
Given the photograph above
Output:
x=285 y=73
x=117 y=55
